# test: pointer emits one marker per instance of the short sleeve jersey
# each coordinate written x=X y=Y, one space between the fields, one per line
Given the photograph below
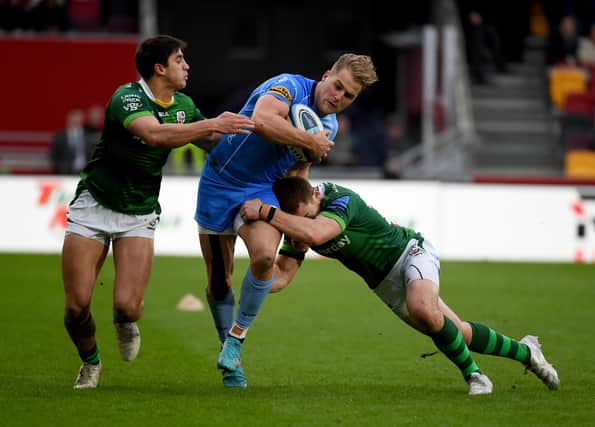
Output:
x=250 y=159
x=124 y=174
x=368 y=244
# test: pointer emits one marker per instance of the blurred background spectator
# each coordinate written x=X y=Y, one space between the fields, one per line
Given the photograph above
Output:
x=343 y=153
x=14 y=16
x=62 y=16
x=72 y=147
x=586 y=47
x=49 y=16
x=563 y=42
x=484 y=46
x=94 y=122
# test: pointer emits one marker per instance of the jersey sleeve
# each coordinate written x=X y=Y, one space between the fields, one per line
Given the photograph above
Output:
x=284 y=87
x=197 y=116
x=331 y=125
x=125 y=106
x=340 y=210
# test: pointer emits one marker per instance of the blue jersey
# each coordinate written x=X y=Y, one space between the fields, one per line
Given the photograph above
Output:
x=242 y=167
x=250 y=159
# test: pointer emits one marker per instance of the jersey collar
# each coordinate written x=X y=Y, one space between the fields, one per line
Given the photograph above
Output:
x=147 y=90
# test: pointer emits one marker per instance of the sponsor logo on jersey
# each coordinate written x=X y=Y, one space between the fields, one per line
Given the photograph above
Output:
x=131 y=102
x=281 y=90
x=180 y=116
x=336 y=246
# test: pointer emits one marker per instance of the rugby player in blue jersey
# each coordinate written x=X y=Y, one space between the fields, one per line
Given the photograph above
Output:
x=243 y=167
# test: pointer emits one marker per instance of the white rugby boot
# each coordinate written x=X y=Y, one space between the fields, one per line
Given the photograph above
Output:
x=88 y=376
x=479 y=384
x=128 y=337
x=539 y=366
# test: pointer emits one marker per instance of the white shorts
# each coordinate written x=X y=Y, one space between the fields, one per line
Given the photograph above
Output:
x=87 y=218
x=230 y=231
x=415 y=263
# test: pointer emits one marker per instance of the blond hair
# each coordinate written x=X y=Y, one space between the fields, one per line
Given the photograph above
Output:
x=361 y=66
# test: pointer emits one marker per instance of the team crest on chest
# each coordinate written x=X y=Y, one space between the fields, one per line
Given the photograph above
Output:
x=180 y=116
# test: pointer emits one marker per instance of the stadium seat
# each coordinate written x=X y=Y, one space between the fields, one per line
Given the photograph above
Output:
x=566 y=79
x=579 y=141
x=573 y=124
x=580 y=164
x=579 y=103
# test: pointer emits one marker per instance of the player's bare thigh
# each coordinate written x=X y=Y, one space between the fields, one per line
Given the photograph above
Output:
x=422 y=305
x=82 y=258
x=133 y=262
x=262 y=241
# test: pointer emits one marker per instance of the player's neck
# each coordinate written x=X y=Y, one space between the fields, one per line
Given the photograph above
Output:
x=163 y=93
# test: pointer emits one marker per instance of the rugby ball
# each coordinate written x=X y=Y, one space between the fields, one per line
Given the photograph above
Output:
x=304 y=118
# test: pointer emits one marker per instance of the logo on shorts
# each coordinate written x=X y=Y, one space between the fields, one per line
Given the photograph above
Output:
x=415 y=250
x=153 y=224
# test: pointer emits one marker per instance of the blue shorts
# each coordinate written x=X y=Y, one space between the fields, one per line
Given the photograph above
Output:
x=219 y=201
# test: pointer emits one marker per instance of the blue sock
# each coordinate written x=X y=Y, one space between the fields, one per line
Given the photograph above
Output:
x=252 y=296
x=222 y=312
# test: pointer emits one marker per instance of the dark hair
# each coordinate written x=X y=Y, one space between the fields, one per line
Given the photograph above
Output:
x=291 y=191
x=155 y=50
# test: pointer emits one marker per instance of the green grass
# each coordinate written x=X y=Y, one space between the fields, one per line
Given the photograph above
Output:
x=324 y=352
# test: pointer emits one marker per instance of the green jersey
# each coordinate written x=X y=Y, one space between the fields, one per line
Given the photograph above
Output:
x=368 y=244
x=124 y=174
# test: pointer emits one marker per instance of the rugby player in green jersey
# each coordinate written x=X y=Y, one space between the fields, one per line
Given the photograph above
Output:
x=116 y=198
x=397 y=263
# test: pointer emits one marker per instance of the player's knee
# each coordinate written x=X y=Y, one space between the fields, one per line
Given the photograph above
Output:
x=73 y=313
x=128 y=308
x=429 y=319
x=262 y=263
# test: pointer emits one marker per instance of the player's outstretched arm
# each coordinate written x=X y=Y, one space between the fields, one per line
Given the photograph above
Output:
x=172 y=135
x=309 y=231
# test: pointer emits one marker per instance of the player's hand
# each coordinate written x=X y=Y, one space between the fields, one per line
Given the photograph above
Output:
x=227 y=122
x=321 y=147
x=250 y=210
x=300 y=246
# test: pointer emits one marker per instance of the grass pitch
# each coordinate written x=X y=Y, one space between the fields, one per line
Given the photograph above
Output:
x=324 y=352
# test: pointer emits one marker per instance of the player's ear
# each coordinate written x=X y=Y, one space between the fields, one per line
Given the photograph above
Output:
x=159 y=69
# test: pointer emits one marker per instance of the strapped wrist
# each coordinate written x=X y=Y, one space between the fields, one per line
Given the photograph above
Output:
x=271 y=213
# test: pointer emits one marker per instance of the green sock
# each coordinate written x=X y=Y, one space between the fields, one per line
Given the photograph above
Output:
x=449 y=341
x=91 y=356
x=487 y=341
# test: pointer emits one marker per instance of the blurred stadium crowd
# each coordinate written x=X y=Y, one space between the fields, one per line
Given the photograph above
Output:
x=383 y=124
x=22 y=17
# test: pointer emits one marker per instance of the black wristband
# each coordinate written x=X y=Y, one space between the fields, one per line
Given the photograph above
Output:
x=271 y=213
